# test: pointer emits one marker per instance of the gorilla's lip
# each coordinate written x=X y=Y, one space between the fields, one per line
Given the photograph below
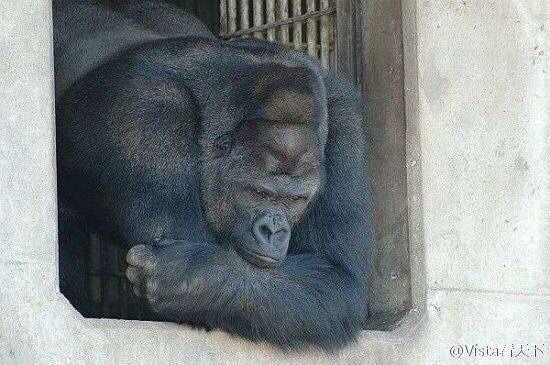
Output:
x=258 y=259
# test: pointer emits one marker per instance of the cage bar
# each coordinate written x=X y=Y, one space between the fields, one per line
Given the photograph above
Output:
x=278 y=23
x=297 y=26
x=104 y=276
x=283 y=15
x=223 y=16
x=270 y=18
x=245 y=21
x=258 y=14
x=94 y=273
x=325 y=35
x=311 y=25
x=232 y=10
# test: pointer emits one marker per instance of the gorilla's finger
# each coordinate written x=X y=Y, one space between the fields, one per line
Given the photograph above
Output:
x=139 y=255
x=134 y=274
x=137 y=290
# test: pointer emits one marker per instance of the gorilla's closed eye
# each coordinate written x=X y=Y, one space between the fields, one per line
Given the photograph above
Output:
x=260 y=192
x=296 y=198
x=264 y=194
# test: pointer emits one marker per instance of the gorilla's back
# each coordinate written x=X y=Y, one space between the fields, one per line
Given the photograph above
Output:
x=87 y=33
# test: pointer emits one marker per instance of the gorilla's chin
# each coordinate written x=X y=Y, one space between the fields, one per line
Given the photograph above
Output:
x=258 y=259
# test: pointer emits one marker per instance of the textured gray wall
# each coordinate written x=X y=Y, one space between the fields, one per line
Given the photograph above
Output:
x=477 y=91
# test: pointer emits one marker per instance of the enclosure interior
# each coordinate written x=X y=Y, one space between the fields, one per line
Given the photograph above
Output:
x=363 y=41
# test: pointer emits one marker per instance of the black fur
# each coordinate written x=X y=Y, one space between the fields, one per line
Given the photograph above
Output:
x=138 y=133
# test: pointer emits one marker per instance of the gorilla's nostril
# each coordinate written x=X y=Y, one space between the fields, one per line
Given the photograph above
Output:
x=265 y=231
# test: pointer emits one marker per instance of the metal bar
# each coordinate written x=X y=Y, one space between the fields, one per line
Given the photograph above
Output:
x=122 y=286
x=345 y=39
x=223 y=17
x=104 y=262
x=94 y=265
x=113 y=281
x=311 y=26
x=232 y=15
x=332 y=24
x=245 y=23
x=283 y=14
x=258 y=12
x=270 y=10
x=297 y=25
x=264 y=27
x=325 y=36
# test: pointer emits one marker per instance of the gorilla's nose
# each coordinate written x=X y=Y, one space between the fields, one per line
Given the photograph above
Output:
x=272 y=235
x=271 y=230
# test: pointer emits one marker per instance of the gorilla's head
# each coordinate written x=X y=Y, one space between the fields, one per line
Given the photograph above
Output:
x=260 y=174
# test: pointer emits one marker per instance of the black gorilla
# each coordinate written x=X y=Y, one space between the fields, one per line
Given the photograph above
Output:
x=203 y=156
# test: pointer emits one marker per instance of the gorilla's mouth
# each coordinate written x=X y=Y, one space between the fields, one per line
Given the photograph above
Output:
x=258 y=259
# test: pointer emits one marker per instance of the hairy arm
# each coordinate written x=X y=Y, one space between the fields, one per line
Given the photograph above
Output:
x=306 y=301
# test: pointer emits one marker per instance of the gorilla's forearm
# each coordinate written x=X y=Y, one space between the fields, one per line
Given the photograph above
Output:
x=304 y=302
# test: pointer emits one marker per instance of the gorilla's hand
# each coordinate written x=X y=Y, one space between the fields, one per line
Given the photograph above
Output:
x=175 y=277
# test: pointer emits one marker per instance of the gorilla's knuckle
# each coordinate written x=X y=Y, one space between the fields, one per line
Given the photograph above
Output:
x=138 y=254
x=153 y=299
x=150 y=265
x=132 y=273
x=137 y=290
x=156 y=306
x=152 y=287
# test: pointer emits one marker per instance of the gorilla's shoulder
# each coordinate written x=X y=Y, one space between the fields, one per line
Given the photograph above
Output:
x=88 y=33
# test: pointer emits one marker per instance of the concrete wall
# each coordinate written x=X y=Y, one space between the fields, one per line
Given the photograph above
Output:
x=477 y=91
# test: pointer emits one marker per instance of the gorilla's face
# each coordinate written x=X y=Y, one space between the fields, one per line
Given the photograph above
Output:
x=259 y=177
x=259 y=184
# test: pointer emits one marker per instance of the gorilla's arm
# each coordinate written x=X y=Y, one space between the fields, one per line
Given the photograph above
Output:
x=126 y=154
x=317 y=296
x=306 y=301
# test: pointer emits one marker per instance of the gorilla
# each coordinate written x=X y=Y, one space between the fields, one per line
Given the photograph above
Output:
x=235 y=172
